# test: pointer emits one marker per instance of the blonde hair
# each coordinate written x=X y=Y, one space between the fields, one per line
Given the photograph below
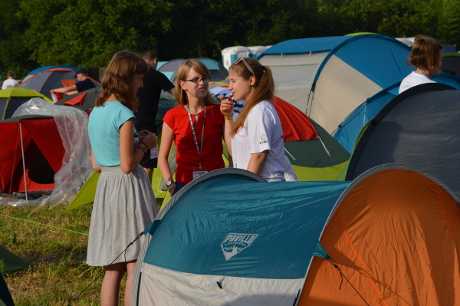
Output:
x=425 y=54
x=118 y=79
x=264 y=86
x=182 y=73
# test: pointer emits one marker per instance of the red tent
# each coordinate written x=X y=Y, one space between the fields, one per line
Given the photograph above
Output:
x=39 y=139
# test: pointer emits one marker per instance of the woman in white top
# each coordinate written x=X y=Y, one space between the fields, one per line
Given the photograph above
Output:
x=10 y=82
x=256 y=137
x=426 y=57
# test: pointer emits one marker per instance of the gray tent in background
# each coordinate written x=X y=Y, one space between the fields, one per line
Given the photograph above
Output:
x=217 y=70
x=451 y=63
x=419 y=127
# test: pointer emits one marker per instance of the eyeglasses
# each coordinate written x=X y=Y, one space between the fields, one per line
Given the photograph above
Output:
x=246 y=63
x=198 y=80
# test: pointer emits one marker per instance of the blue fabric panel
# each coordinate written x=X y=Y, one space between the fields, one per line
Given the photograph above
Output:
x=306 y=45
x=273 y=228
x=320 y=251
x=348 y=131
x=160 y=63
x=380 y=58
x=152 y=227
x=447 y=49
x=210 y=63
x=448 y=79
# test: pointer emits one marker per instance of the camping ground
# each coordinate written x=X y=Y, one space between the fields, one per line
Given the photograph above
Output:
x=54 y=242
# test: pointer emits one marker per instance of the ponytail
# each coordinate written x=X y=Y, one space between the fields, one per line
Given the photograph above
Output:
x=264 y=87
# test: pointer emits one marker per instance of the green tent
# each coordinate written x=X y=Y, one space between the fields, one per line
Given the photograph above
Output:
x=319 y=159
x=12 y=98
x=10 y=262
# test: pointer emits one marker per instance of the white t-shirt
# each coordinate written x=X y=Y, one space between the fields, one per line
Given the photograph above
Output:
x=262 y=131
x=414 y=79
x=9 y=83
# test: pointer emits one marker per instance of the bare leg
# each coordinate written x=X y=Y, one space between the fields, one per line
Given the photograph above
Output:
x=130 y=266
x=111 y=284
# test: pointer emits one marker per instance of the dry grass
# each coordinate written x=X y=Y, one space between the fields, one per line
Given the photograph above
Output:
x=58 y=256
x=56 y=248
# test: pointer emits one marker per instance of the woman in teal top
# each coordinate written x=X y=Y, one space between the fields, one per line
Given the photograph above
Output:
x=124 y=204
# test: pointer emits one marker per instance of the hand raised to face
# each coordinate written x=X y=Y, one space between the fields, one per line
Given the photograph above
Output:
x=226 y=105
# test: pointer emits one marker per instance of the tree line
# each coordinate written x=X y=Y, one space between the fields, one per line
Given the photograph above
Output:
x=87 y=33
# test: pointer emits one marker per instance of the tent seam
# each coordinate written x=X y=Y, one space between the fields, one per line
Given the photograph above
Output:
x=359 y=258
x=443 y=211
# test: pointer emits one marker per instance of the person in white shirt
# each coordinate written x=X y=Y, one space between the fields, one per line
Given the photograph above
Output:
x=256 y=137
x=10 y=82
x=426 y=57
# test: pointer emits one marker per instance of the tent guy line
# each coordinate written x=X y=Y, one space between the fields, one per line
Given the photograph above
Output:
x=60 y=228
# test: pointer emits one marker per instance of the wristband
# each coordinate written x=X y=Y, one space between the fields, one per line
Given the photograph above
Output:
x=146 y=147
x=228 y=117
x=139 y=147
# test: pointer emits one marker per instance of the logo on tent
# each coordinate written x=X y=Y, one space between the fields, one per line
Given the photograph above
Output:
x=235 y=243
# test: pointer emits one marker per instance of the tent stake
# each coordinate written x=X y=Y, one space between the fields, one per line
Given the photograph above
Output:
x=23 y=160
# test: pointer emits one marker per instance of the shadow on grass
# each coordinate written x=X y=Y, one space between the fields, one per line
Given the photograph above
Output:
x=71 y=256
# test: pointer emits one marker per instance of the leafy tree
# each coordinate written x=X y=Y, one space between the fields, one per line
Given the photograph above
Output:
x=205 y=27
x=397 y=18
x=13 y=54
x=89 y=32
x=449 y=22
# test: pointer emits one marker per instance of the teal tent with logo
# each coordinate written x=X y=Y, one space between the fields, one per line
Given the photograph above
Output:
x=230 y=238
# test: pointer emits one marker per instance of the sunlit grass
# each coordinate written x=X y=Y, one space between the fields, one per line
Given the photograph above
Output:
x=56 y=253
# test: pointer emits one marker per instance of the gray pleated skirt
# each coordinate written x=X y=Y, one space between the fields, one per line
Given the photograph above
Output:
x=124 y=206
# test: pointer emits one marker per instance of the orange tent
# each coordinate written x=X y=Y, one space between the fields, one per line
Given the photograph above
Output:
x=395 y=238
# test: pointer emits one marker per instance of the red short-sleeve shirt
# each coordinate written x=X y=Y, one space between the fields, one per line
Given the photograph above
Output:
x=187 y=155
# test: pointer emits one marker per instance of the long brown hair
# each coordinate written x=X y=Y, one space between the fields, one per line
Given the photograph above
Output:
x=425 y=54
x=264 y=86
x=118 y=79
x=182 y=73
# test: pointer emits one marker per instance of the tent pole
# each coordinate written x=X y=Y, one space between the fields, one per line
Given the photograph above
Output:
x=23 y=160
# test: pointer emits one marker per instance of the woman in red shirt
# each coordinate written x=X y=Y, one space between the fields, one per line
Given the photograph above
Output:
x=196 y=126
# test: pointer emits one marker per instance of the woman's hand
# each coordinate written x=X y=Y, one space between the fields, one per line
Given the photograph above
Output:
x=150 y=140
x=226 y=105
x=143 y=134
x=172 y=188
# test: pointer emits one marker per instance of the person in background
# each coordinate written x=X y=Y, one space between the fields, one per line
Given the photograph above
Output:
x=256 y=137
x=426 y=57
x=83 y=83
x=149 y=98
x=10 y=82
x=124 y=204
x=196 y=126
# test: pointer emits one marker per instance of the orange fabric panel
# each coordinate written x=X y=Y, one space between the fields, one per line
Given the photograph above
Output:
x=396 y=237
x=67 y=83
x=76 y=100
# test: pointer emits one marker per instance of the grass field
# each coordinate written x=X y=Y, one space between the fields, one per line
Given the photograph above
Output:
x=54 y=242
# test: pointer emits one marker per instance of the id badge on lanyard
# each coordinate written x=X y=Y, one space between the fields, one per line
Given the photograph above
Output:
x=199 y=171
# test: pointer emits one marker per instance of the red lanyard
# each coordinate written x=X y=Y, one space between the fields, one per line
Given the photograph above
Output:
x=198 y=149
